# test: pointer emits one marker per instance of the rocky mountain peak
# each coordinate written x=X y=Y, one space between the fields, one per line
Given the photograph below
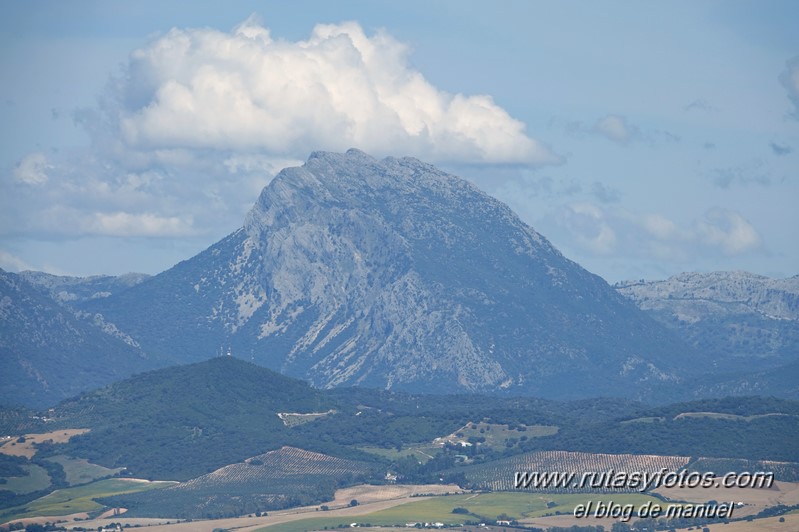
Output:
x=394 y=274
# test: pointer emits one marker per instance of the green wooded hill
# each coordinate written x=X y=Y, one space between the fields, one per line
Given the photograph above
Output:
x=278 y=479
x=183 y=422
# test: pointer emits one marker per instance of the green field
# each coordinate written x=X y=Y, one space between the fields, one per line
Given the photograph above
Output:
x=80 y=471
x=482 y=507
x=500 y=437
x=37 y=479
x=79 y=499
x=422 y=452
x=296 y=419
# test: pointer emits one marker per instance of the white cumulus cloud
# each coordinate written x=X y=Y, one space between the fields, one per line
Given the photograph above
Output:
x=198 y=121
x=247 y=92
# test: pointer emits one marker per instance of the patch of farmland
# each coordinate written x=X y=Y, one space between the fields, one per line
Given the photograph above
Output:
x=494 y=435
x=26 y=445
x=292 y=419
x=754 y=500
x=768 y=524
x=36 y=479
x=728 y=417
x=422 y=452
x=499 y=475
x=287 y=463
x=79 y=499
x=367 y=493
x=278 y=479
x=80 y=471
x=785 y=471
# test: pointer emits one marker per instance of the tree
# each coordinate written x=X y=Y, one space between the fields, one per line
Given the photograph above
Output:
x=354 y=502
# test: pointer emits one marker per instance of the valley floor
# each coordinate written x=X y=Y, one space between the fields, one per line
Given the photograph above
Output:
x=374 y=499
x=370 y=498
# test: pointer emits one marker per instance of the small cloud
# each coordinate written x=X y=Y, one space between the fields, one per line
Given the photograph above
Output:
x=55 y=114
x=616 y=128
x=780 y=149
x=709 y=145
x=588 y=225
x=790 y=80
x=698 y=105
x=752 y=173
x=127 y=224
x=661 y=227
x=729 y=231
x=32 y=170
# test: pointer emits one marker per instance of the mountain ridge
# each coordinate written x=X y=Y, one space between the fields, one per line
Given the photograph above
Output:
x=729 y=315
x=47 y=353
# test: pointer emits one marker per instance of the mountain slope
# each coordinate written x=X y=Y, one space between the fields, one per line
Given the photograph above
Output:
x=731 y=316
x=68 y=289
x=47 y=354
x=209 y=413
x=394 y=274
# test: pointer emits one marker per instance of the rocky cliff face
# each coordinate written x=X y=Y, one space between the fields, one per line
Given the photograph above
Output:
x=729 y=316
x=394 y=274
x=691 y=297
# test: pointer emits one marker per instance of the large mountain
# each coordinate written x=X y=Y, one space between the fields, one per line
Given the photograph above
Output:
x=391 y=273
x=48 y=354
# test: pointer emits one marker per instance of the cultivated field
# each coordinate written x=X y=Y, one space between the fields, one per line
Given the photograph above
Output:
x=37 y=479
x=768 y=524
x=15 y=448
x=481 y=507
x=499 y=475
x=755 y=500
x=292 y=419
x=497 y=436
x=375 y=498
x=69 y=501
x=80 y=471
x=421 y=451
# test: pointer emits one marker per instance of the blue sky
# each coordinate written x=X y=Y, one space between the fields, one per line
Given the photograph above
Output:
x=642 y=138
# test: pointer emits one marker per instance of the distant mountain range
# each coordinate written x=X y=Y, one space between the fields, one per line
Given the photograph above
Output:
x=746 y=325
x=47 y=353
x=76 y=290
x=762 y=311
x=393 y=274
